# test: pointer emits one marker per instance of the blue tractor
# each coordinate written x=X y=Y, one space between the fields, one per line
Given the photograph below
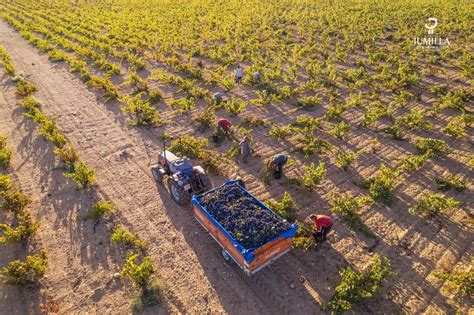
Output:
x=182 y=178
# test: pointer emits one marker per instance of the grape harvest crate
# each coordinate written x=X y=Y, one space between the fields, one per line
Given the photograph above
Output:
x=277 y=238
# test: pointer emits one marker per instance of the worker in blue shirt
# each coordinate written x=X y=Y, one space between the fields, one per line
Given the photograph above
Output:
x=239 y=74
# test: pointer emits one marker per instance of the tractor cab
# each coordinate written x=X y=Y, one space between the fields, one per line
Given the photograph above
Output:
x=181 y=165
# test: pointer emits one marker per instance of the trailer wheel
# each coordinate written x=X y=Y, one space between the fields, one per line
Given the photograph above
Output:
x=157 y=174
x=226 y=255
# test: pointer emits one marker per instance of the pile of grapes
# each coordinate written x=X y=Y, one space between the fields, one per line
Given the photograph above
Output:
x=240 y=215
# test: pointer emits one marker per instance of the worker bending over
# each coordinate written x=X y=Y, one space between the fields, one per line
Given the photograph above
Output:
x=223 y=126
x=323 y=225
x=277 y=163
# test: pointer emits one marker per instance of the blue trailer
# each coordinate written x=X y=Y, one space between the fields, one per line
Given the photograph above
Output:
x=251 y=260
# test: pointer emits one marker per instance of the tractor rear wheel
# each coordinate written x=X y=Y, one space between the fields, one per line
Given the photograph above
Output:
x=157 y=173
x=205 y=181
x=178 y=194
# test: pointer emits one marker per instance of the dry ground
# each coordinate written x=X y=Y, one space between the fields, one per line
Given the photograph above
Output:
x=81 y=262
x=198 y=279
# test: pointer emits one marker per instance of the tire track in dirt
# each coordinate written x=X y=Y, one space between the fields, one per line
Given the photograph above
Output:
x=126 y=180
x=90 y=127
x=80 y=262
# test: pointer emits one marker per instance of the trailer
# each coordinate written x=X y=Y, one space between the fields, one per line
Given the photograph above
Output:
x=252 y=259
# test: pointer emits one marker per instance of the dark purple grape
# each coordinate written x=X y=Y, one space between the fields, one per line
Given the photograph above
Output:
x=247 y=222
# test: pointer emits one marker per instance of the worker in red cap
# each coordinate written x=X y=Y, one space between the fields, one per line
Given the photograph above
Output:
x=223 y=126
x=323 y=226
x=245 y=148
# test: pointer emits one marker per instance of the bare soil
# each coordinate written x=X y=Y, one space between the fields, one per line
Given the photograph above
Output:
x=81 y=262
x=197 y=277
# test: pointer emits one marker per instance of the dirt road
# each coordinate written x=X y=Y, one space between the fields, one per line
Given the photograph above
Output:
x=81 y=263
x=186 y=257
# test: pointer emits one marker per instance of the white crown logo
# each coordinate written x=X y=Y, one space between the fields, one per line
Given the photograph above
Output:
x=432 y=26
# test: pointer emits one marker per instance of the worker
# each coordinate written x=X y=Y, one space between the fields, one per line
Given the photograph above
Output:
x=240 y=181
x=277 y=163
x=217 y=97
x=256 y=77
x=323 y=225
x=245 y=148
x=239 y=74
x=223 y=126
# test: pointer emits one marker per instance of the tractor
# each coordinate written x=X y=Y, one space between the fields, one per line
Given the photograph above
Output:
x=183 y=179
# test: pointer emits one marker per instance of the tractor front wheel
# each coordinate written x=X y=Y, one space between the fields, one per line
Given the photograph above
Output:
x=178 y=194
x=157 y=173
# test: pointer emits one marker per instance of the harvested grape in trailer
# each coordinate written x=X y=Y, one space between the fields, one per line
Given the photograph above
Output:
x=249 y=232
